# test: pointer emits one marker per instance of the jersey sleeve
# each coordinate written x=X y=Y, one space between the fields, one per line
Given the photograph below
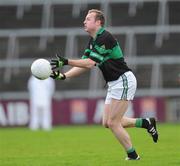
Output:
x=86 y=54
x=87 y=51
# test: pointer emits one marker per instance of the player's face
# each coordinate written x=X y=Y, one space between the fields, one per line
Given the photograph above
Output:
x=90 y=24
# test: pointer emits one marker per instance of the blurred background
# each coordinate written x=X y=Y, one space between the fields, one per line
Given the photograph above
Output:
x=147 y=30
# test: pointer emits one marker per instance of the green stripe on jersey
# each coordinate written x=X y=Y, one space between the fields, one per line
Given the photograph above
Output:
x=87 y=50
x=96 y=56
x=84 y=57
x=102 y=50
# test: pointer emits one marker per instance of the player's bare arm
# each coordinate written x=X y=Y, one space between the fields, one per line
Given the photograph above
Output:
x=82 y=63
x=79 y=66
x=75 y=71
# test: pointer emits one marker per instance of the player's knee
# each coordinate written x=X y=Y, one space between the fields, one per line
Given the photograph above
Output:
x=121 y=123
x=111 y=124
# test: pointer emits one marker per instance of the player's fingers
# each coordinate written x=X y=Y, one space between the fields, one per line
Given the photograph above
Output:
x=56 y=73
x=57 y=56
x=53 y=61
x=54 y=64
x=53 y=74
x=54 y=67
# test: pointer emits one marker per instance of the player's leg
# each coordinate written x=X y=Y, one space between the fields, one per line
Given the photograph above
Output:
x=148 y=123
x=129 y=86
x=128 y=122
x=106 y=109
x=106 y=115
x=117 y=110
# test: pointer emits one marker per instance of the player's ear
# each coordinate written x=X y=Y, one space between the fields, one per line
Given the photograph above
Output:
x=98 y=22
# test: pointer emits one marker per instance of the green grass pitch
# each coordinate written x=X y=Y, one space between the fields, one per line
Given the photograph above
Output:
x=86 y=146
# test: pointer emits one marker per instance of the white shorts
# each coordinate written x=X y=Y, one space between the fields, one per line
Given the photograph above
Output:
x=123 y=88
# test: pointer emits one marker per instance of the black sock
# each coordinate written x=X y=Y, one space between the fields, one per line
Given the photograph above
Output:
x=145 y=123
x=132 y=155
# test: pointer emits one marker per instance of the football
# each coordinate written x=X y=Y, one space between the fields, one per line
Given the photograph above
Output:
x=41 y=69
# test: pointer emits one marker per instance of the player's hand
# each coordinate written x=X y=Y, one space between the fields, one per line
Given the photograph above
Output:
x=58 y=62
x=57 y=75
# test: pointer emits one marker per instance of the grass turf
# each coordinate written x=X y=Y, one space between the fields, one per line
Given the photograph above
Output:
x=86 y=146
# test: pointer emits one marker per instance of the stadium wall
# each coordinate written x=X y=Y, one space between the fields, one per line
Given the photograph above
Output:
x=79 y=111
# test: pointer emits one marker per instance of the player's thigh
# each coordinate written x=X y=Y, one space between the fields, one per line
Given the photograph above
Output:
x=117 y=109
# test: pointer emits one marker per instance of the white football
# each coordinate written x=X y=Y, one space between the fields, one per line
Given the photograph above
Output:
x=41 y=69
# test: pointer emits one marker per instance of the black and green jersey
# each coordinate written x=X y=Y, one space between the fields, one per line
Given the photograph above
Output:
x=106 y=52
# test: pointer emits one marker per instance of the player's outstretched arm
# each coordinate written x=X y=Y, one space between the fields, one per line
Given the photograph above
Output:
x=79 y=66
x=61 y=61
x=82 y=63
x=75 y=71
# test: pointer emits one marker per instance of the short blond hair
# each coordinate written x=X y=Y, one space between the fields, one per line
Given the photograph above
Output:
x=99 y=15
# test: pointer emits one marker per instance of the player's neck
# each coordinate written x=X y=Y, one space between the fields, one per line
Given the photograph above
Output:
x=94 y=33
